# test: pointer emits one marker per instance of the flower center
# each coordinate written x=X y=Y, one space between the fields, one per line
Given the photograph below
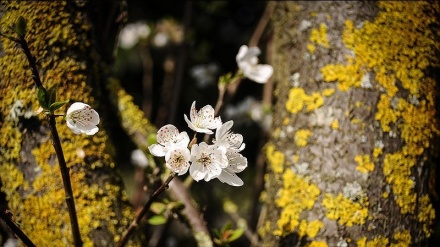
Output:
x=82 y=117
x=205 y=159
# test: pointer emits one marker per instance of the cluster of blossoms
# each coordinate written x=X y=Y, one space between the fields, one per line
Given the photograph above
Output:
x=220 y=160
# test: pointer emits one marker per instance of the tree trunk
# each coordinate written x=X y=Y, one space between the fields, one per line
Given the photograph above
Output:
x=350 y=155
x=64 y=41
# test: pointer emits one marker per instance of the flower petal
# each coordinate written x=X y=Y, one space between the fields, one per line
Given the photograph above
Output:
x=197 y=171
x=193 y=112
x=236 y=162
x=259 y=73
x=157 y=150
x=230 y=178
x=182 y=140
x=223 y=130
x=72 y=126
x=77 y=106
x=167 y=134
x=91 y=131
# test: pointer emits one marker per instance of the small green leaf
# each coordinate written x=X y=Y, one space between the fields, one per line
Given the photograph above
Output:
x=42 y=98
x=158 y=207
x=52 y=94
x=157 y=220
x=237 y=233
x=57 y=105
x=20 y=26
x=227 y=226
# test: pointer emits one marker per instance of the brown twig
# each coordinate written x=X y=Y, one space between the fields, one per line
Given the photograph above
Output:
x=124 y=239
x=66 y=182
x=58 y=149
x=15 y=229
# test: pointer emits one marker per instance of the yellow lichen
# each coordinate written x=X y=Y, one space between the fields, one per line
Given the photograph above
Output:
x=377 y=151
x=364 y=163
x=346 y=76
x=301 y=137
x=385 y=114
x=309 y=229
x=298 y=99
x=317 y=244
x=328 y=92
x=426 y=214
x=319 y=36
x=377 y=241
x=55 y=36
x=345 y=211
x=275 y=159
x=296 y=195
x=311 y=48
x=402 y=238
x=335 y=124
x=397 y=171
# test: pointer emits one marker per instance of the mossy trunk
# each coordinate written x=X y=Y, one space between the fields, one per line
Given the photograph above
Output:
x=64 y=37
x=350 y=155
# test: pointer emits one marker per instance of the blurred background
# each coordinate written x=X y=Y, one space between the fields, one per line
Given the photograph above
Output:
x=171 y=53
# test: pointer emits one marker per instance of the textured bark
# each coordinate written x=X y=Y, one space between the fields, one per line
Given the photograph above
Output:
x=354 y=122
x=64 y=38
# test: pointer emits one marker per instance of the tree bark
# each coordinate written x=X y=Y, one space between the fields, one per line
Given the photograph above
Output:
x=64 y=39
x=350 y=154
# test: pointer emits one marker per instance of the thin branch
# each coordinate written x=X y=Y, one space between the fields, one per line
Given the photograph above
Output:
x=66 y=182
x=15 y=229
x=124 y=239
x=265 y=18
x=31 y=59
x=58 y=149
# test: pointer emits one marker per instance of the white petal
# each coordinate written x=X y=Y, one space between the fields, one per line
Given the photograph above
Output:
x=193 y=112
x=223 y=130
x=236 y=162
x=167 y=133
x=213 y=171
x=77 y=106
x=91 y=131
x=230 y=178
x=241 y=53
x=182 y=139
x=73 y=127
x=259 y=73
x=197 y=171
x=94 y=117
x=157 y=150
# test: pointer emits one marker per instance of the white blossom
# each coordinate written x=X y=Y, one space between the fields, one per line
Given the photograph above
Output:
x=168 y=139
x=131 y=34
x=236 y=164
x=247 y=62
x=207 y=161
x=177 y=160
x=232 y=143
x=81 y=118
x=202 y=121
x=224 y=137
